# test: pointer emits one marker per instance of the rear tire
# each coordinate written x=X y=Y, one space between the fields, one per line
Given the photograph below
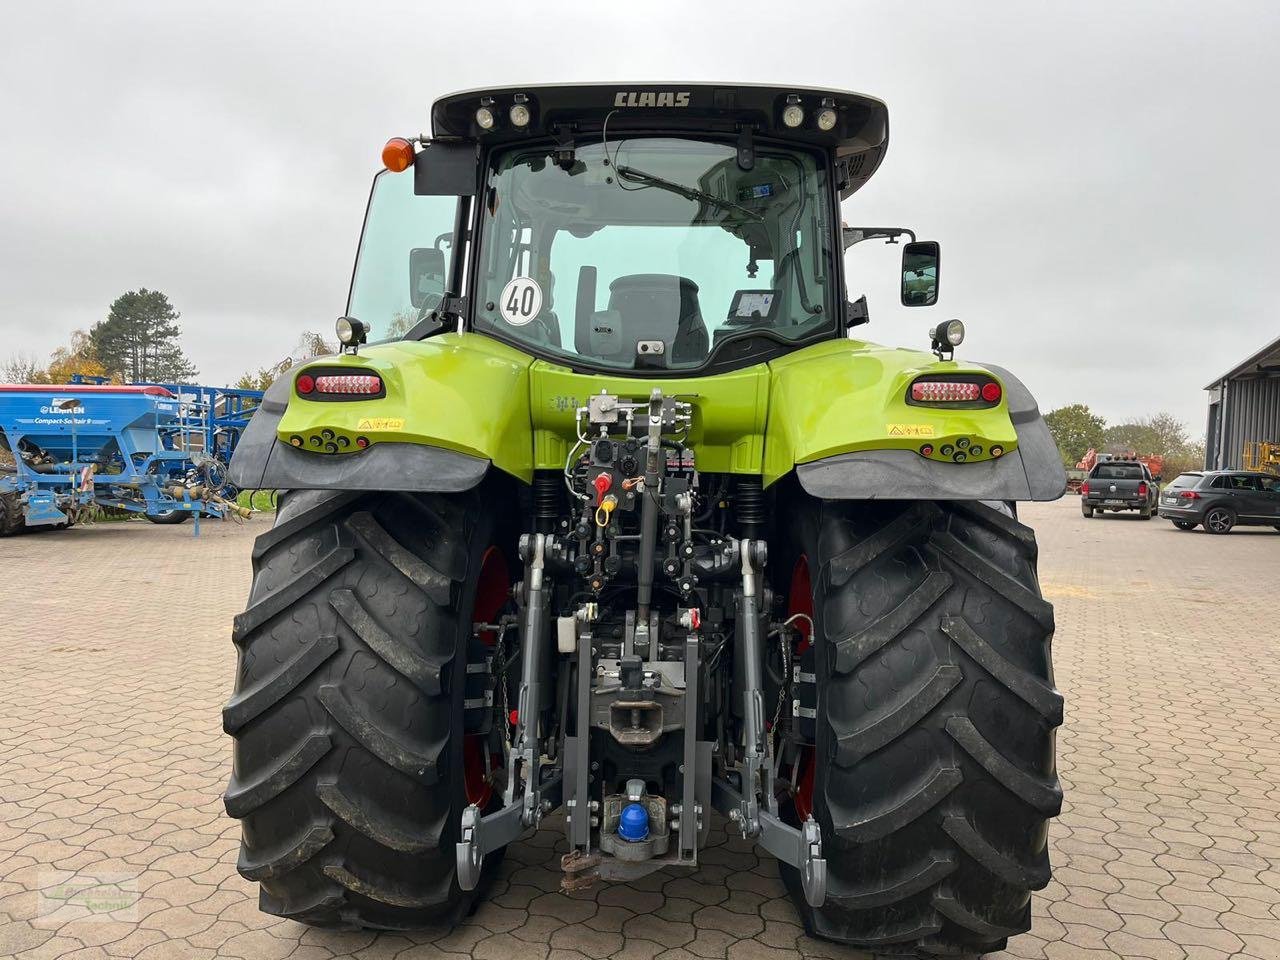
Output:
x=11 y=517
x=936 y=712
x=1087 y=511
x=348 y=712
x=1219 y=520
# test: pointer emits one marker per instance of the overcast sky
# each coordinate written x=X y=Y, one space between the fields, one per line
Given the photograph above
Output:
x=1102 y=177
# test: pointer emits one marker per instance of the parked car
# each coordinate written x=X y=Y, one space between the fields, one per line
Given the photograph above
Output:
x=1119 y=485
x=1221 y=499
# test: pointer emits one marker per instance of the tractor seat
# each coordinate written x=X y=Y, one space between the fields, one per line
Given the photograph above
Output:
x=658 y=306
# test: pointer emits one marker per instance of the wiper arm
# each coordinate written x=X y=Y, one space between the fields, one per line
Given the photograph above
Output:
x=632 y=175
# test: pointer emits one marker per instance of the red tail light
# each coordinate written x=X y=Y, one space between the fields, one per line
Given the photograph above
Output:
x=966 y=388
x=354 y=384
x=945 y=391
x=1188 y=495
x=1084 y=488
x=1142 y=488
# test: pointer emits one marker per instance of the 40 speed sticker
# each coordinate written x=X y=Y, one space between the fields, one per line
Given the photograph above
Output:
x=520 y=302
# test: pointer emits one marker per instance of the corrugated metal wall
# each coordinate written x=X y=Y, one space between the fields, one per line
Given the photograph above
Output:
x=1252 y=413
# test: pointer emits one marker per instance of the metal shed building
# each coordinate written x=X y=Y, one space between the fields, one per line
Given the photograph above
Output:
x=1244 y=408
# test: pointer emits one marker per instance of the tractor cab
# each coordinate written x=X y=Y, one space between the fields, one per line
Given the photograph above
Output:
x=672 y=231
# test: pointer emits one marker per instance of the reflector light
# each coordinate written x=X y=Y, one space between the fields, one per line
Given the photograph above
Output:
x=356 y=384
x=945 y=391
x=991 y=392
x=305 y=383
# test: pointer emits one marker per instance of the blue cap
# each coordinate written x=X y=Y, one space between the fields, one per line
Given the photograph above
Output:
x=633 y=825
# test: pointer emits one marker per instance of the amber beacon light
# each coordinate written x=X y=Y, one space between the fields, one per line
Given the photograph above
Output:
x=397 y=155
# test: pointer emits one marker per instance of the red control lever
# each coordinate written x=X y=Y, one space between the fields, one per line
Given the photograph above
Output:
x=603 y=482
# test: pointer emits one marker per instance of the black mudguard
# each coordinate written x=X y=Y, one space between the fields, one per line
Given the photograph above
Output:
x=1031 y=472
x=262 y=462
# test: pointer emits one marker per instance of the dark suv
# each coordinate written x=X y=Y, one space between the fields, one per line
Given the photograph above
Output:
x=1119 y=485
x=1220 y=499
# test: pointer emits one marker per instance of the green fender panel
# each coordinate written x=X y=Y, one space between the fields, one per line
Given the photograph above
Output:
x=848 y=395
x=463 y=392
x=835 y=413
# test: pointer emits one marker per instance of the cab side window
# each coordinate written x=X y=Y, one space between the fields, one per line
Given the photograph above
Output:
x=1243 y=482
x=1221 y=483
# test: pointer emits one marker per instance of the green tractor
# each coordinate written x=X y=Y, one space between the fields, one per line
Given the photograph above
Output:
x=628 y=524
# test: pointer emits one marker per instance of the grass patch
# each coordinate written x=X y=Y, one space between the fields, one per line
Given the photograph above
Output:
x=261 y=500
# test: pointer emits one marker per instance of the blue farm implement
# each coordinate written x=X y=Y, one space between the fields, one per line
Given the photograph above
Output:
x=158 y=450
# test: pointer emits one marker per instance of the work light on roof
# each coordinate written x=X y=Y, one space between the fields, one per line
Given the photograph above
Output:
x=826 y=118
x=793 y=113
x=519 y=113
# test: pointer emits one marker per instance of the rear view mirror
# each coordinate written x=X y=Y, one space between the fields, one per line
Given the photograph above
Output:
x=426 y=276
x=920 y=273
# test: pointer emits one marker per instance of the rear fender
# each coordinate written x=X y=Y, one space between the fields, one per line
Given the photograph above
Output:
x=455 y=405
x=839 y=418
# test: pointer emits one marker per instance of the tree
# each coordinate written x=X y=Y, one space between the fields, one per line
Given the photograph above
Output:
x=139 y=339
x=400 y=325
x=310 y=344
x=1162 y=434
x=78 y=357
x=20 y=368
x=1076 y=428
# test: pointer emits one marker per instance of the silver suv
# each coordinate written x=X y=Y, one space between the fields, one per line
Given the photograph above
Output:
x=1220 y=499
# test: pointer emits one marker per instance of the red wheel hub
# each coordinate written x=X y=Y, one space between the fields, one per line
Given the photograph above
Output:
x=800 y=601
x=492 y=591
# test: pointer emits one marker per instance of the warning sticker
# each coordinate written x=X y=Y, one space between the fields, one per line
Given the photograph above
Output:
x=520 y=302
x=381 y=423
x=909 y=429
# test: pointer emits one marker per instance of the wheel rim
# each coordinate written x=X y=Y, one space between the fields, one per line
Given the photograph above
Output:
x=800 y=601
x=492 y=591
x=1218 y=521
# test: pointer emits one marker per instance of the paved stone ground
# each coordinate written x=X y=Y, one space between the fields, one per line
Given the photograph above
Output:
x=112 y=764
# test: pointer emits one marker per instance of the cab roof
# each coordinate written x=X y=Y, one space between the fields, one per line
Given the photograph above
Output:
x=858 y=138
